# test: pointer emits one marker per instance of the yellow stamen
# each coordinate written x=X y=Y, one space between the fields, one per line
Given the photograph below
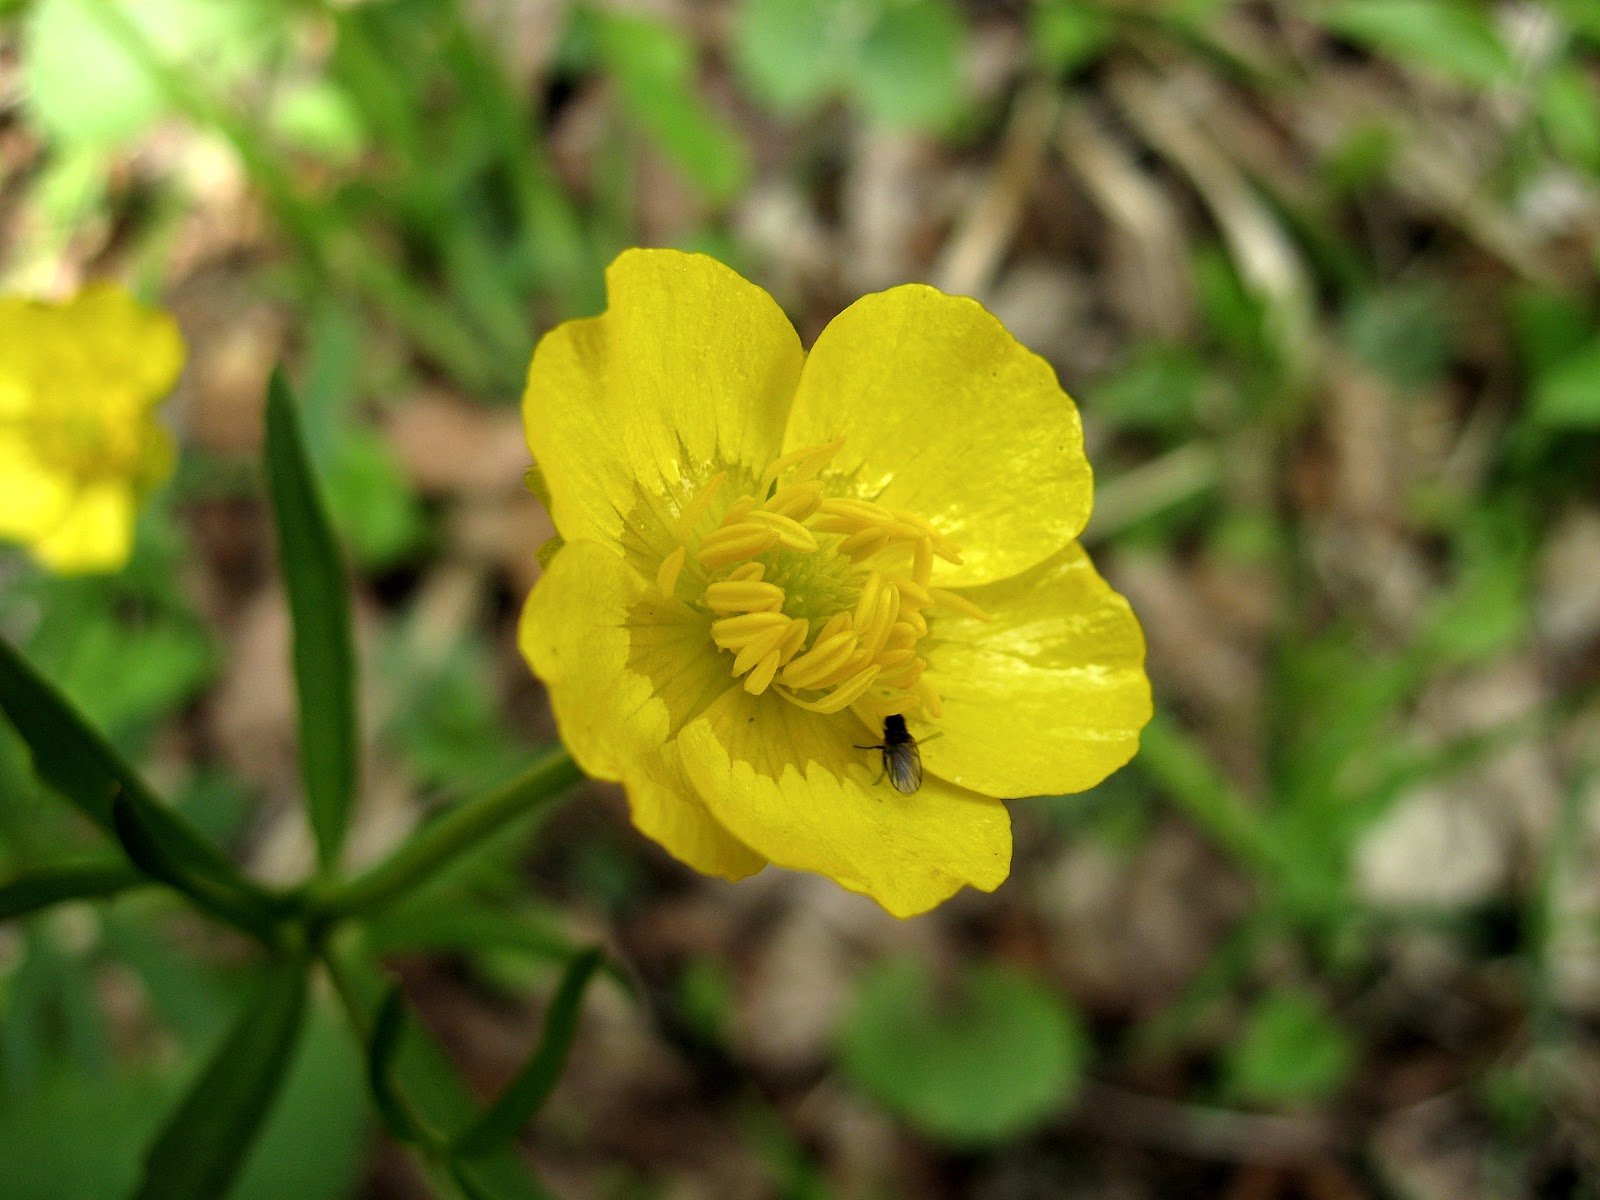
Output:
x=806 y=463
x=729 y=545
x=761 y=678
x=816 y=664
x=696 y=509
x=671 y=566
x=960 y=603
x=842 y=696
x=790 y=532
x=731 y=633
x=736 y=595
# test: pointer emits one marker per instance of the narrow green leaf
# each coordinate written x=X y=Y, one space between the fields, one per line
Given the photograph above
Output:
x=387 y=1029
x=324 y=659
x=72 y=757
x=525 y=1094
x=205 y=1142
x=421 y=1069
x=235 y=900
x=41 y=888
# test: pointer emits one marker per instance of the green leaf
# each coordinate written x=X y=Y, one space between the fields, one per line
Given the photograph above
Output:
x=41 y=888
x=1569 y=110
x=792 y=54
x=1067 y=34
x=1567 y=396
x=909 y=70
x=654 y=66
x=387 y=1029
x=136 y=822
x=205 y=1142
x=1290 y=1052
x=1446 y=36
x=1403 y=333
x=324 y=660
x=998 y=1059
x=67 y=43
x=526 y=1094
x=77 y=762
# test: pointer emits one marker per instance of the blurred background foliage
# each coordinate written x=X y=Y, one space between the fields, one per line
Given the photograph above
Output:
x=1322 y=276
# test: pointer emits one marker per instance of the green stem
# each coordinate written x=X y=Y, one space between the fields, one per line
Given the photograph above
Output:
x=440 y=841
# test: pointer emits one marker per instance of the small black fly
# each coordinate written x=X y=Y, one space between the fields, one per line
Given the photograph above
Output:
x=902 y=761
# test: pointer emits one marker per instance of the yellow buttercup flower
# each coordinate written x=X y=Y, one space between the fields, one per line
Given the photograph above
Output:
x=79 y=442
x=767 y=553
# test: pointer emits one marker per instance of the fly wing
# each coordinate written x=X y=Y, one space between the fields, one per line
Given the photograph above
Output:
x=905 y=767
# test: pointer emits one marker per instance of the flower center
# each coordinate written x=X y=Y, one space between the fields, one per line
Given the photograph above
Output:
x=822 y=599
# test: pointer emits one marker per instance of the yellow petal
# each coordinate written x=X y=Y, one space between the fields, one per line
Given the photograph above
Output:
x=690 y=369
x=138 y=347
x=35 y=497
x=792 y=786
x=666 y=809
x=946 y=415
x=1046 y=697
x=625 y=666
x=94 y=534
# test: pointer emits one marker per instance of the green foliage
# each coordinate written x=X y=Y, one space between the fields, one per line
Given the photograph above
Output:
x=654 y=68
x=1067 y=34
x=324 y=657
x=994 y=1060
x=1452 y=37
x=1402 y=333
x=204 y=1143
x=525 y=1095
x=1566 y=394
x=1290 y=1052
x=68 y=42
x=898 y=60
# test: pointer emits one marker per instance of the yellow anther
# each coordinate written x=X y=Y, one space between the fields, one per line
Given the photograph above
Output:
x=917 y=621
x=798 y=500
x=793 y=638
x=922 y=564
x=731 y=633
x=960 y=603
x=728 y=546
x=748 y=573
x=761 y=678
x=806 y=463
x=790 y=532
x=904 y=676
x=868 y=600
x=671 y=566
x=697 y=507
x=846 y=694
x=736 y=595
x=930 y=699
x=821 y=661
x=902 y=636
x=876 y=632
x=864 y=544
x=863 y=512
x=890 y=659
x=913 y=594
x=837 y=623
x=757 y=648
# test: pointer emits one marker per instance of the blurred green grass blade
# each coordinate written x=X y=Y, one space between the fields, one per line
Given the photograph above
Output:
x=41 y=888
x=72 y=757
x=324 y=658
x=205 y=1142
x=387 y=1029
x=526 y=1094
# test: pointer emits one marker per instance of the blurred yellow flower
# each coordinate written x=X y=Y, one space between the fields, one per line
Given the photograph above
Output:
x=767 y=553
x=79 y=442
